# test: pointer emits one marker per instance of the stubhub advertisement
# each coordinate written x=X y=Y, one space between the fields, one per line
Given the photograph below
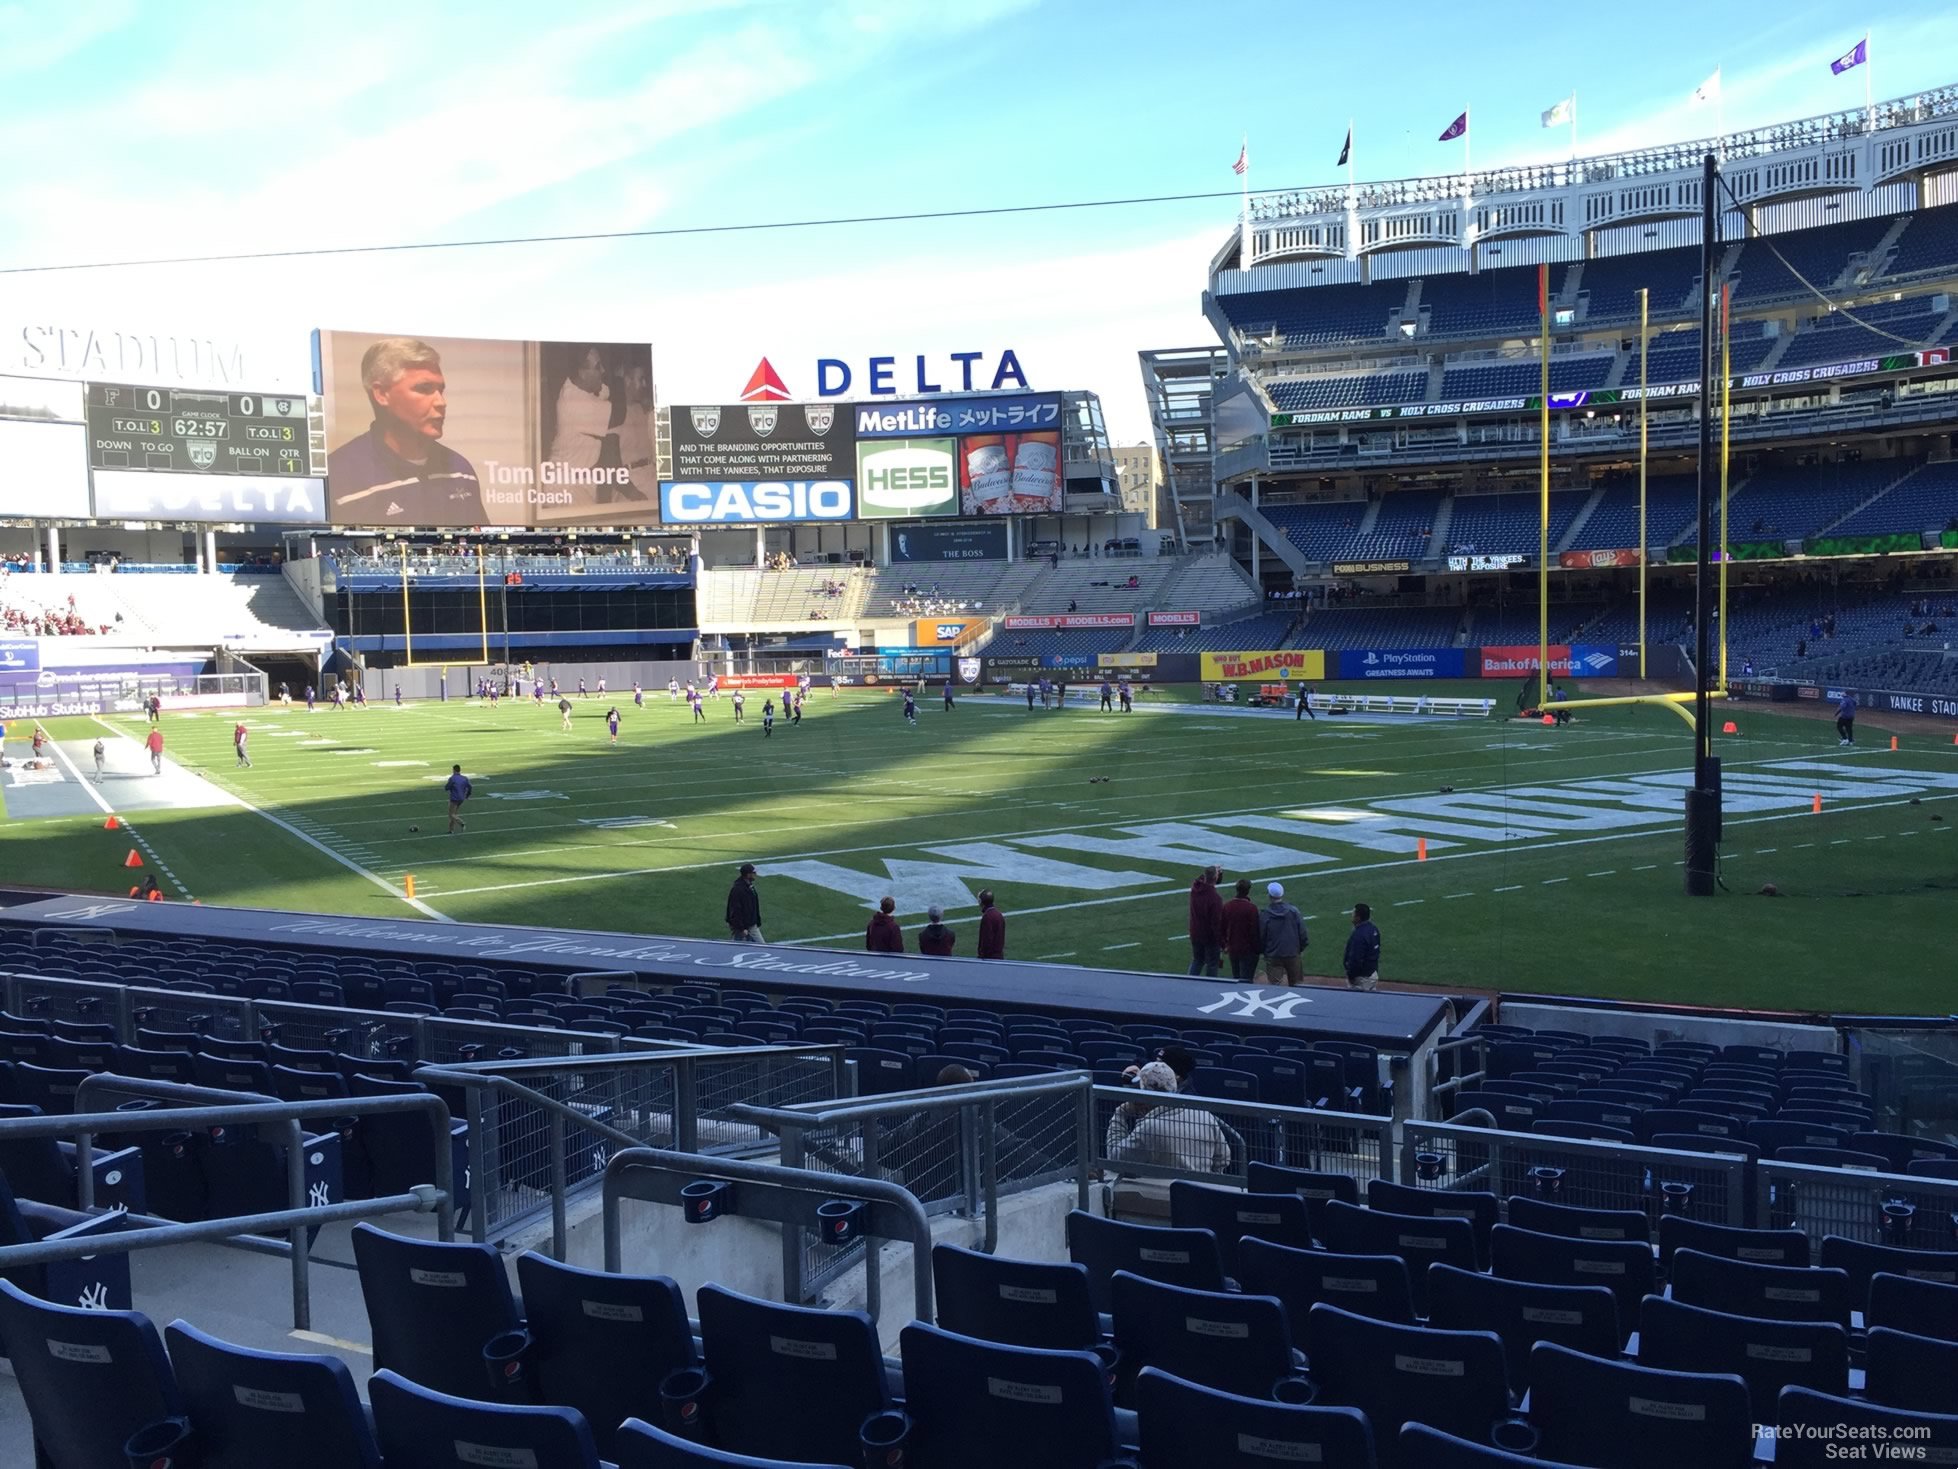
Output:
x=1398 y=663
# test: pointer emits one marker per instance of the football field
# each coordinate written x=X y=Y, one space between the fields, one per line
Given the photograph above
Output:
x=1495 y=853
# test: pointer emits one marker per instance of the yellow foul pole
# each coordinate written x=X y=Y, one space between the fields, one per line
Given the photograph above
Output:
x=1644 y=344
x=1726 y=433
x=1543 y=490
x=407 y=633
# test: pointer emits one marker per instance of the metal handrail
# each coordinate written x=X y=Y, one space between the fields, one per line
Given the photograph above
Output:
x=298 y=1217
x=898 y=1206
x=923 y=1099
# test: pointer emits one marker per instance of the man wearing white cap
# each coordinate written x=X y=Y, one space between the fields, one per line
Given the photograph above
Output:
x=1283 y=932
x=1163 y=1134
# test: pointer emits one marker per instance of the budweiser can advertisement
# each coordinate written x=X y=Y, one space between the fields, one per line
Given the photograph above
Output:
x=988 y=475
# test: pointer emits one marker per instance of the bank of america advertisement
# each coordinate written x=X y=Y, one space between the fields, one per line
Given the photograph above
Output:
x=458 y=431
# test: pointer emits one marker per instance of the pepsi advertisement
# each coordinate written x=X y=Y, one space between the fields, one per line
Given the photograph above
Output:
x=949 y=543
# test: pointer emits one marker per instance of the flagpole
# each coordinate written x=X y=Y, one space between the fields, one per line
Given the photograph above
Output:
x=1244 y=215
x=1573 y=122
x=1869 y=68
x=1352 y=212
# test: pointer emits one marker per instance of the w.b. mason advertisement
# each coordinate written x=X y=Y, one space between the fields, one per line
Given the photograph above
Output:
x=456 y=431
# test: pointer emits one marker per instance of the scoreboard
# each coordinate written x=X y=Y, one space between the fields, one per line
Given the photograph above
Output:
x=191 y=431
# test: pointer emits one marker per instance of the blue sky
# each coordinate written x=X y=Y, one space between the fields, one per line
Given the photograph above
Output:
x=142 y=129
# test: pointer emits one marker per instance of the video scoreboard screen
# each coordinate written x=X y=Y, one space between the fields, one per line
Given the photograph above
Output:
x=191 y=431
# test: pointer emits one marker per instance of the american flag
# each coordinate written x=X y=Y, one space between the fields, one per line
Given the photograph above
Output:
x=1243 y=164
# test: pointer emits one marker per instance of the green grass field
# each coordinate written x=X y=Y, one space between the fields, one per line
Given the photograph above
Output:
x=1553 y=865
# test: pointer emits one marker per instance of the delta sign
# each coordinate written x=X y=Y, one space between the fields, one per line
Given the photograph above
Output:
x=896 y=376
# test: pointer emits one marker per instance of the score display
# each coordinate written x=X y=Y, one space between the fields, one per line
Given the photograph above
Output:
x=192 y=431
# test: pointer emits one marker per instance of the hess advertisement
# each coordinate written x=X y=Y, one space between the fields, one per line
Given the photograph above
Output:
x=456 y=431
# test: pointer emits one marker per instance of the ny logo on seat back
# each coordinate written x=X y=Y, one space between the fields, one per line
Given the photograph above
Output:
x=1253 y=1003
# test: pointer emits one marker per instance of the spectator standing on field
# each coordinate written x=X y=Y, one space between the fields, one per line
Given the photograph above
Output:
x=744 y=908
x=883 y=936
x=459 y=790
x=992 y=928
x=935 y=938
x=1244 y=941
x=155 y=743
x=1206 y=923
x=1283 y=932
x=1363 y=951
x=1846 y=719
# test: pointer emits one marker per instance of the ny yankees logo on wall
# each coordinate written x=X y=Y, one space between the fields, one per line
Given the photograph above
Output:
x=1252 y=1004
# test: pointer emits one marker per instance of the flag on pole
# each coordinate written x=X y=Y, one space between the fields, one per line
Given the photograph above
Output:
x=1455 y=129
x=1243 y=164
x=1708 y=90
x=1345 y=149
x=1855 y=56
x=1562 y=113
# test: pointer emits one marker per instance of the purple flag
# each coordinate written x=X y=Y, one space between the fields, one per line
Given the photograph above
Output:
x=1455 y=129
x=1855 y=56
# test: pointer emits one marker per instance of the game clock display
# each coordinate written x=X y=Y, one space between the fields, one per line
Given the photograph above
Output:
x=186 y=431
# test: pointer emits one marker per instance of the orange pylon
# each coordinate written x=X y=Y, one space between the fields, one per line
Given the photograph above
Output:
x=156 y=895
x=1730 y=728
x=112 y=824
x=1817 y=807
x=1893 y=742
x=132 y=860
x=1420 y=849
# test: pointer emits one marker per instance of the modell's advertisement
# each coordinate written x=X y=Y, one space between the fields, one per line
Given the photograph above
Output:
x=456 y=431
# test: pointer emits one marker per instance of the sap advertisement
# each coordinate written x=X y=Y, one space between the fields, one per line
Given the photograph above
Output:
x=964 y=542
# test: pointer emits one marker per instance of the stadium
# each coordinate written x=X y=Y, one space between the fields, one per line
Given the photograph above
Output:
x=544 y=927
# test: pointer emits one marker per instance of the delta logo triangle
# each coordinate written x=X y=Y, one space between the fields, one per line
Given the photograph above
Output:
x=765 y=385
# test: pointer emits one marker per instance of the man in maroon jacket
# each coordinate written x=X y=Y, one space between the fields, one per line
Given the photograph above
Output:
x=935 y=938
x=1242 y=940
x=992 y=928
x=1206 y=923
x=883 y=936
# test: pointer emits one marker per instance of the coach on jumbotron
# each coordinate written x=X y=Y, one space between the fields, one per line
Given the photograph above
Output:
x=399 y=471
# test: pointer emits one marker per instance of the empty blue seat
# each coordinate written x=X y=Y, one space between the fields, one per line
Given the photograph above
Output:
x=1613 y=1415
x=1915 y=1372
x=433 y=1307
x=43 y=1170
x=1578 y=1223
x=101 y=1281
x=1186 y=1257
x=1366 y=1285
x=420 y=1428
x=974 y=1403
x=1185 y=1423
x=642 y=1446
x=1432 y=1449
x=1421 y=1242
x=787 y=1381
x=1478 y=1206
x=1023 y=1303
x=1451 y=1380
x=1522 y=1313
x=91 y=1379
x=1231 y=1215
x=1623 y=1267
x=1920 y=1307
x=1761 y=1246
x=601 y=1343
x=1772 y=1292
x=1816 y=1426
x=1861 y=1261
x=1229 y=1341
x=1766 y=1355
x=1693 y=1123
x=1317 y=1189
x=252 y=1408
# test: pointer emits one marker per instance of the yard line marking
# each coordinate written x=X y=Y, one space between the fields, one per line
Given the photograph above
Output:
x=1136 y=945
x=1512 y=888
x=314 y=842
x=1608 y=872
x=1068 y=954
x=1648 y=867
x=1840 y=842
x=1803 y=846
x=1409 y=902
x=1549 y=880
x=1764 y=851
x=1453 y=896
x=1877 y=838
